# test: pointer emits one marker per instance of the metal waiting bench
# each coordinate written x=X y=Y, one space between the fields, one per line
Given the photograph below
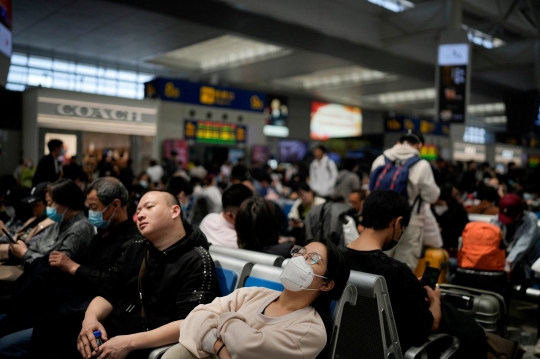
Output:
x=248 y=256
x=368 y=329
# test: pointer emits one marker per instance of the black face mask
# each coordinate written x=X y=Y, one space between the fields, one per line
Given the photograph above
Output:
x=393 y=242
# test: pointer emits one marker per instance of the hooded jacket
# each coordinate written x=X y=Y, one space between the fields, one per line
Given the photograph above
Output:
x=421 y=181
x=176 y=280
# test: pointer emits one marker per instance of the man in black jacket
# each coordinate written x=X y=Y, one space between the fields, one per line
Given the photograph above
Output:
x=63 y=285
x=48 y=169
x=157 y=282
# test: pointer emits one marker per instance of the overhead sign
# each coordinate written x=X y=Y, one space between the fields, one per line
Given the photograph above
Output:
x=215 y=132
x=330 y=120
x=453 y=60
x=469 y=152
x=207 y=95
x=402 y=123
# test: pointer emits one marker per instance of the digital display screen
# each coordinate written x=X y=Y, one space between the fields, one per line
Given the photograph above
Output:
x=292 y=150
x=215 y=132
x=276 y=112
x=534 y=161
x=330 y=120
x=453 y=60
x=429 y=152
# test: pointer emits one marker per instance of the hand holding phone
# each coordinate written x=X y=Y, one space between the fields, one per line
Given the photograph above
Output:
x=430 y=277
x=11 y=239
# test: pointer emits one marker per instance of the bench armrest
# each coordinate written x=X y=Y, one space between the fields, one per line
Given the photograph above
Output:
x=413 y=352
x=158 y=352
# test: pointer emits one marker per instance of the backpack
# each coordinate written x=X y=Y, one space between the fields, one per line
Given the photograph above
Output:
x=394 y=176
x=482 y=247
x=326 y=221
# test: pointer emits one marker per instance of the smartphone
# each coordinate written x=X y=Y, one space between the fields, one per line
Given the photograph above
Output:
x=430 y=277
x=12 y=240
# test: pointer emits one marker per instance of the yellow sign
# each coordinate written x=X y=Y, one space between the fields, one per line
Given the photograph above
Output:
x=393 y=124
x=256 y=102
x=212 y=96
x=171 y=91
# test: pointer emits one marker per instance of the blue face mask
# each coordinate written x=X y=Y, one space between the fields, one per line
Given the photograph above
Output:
x=96 y=218
x=143 y=183
x=56 y=217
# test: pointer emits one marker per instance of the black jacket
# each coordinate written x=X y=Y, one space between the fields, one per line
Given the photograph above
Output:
x=176 y=281
x=46 y=171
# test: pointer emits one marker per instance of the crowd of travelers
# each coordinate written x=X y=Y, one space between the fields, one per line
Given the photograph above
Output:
x=128 y=255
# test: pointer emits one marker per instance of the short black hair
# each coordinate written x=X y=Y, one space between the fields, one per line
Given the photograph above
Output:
x=321 y=147
x=170 y=198
x=233 y=196
x=304 y=187
x=66 y=193
x=488 y=193
x=177 y=185
x=412 y=138
x=381 y=207
x=54 y=144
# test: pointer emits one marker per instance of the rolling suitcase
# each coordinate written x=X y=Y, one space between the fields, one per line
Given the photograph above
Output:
x=436 y=258
x=493 y=281
x=487 y=308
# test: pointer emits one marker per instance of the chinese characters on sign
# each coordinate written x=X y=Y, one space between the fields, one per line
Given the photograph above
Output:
x=215 y=132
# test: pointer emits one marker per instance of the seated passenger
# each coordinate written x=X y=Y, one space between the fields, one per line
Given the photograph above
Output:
x=156 y=282
x=521 y=235
x=19 y=212
x=70 y=233
x=451 y=216
x=300 y=209
x=62 y=284
x=417 y=311
x=219 y=227
x=489 y=199
x=263 y=323
x=30 y=232
x=256 y=228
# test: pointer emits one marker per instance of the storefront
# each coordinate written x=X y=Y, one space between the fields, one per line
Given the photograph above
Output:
x=94 y=128
x=464 y=152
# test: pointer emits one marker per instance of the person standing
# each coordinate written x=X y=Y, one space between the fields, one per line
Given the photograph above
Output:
x=323 y=173
x=48 y=169
x=421 y=188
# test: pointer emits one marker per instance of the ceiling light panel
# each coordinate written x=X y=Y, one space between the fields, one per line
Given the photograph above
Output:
x=336 y=77
x=393 y=5
x=411 y=96
x=225 y=51
x=486 y=108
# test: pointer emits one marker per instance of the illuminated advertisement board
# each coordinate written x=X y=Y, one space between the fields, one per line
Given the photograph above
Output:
x=275 y=117
x=330 y=120
x=215 y=132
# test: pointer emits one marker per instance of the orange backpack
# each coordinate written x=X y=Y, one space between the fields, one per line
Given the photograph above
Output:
x=482 y=247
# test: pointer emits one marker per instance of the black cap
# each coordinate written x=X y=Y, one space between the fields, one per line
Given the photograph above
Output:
x=14 y=194
x=37 y=194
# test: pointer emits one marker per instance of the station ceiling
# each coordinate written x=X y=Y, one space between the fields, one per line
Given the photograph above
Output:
x=348 y=51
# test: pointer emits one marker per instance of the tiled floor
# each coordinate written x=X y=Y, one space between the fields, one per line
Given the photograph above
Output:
x=523 y=322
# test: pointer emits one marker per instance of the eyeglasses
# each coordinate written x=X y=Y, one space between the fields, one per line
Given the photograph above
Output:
x=311 y=258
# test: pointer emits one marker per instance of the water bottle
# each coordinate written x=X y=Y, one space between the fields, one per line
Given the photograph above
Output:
x=97 y=335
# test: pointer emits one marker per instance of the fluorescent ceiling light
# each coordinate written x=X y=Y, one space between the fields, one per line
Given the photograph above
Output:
x=495 y=119
x=411 y=96
x=496 y=107
x=336 y=77
x=393 y=5
x=221 y=52
x=482 y=39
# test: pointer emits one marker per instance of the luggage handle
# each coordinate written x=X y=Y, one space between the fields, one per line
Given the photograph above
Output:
x=460 y=301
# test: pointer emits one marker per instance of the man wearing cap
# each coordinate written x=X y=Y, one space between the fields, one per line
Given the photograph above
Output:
x=421 y=190
x=521 y=235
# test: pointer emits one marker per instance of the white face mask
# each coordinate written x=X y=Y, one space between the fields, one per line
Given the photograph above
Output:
x=440 y=210
x=298 y=275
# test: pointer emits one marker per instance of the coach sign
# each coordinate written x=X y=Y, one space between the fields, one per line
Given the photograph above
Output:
x=133 y=117
x=99 y=112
